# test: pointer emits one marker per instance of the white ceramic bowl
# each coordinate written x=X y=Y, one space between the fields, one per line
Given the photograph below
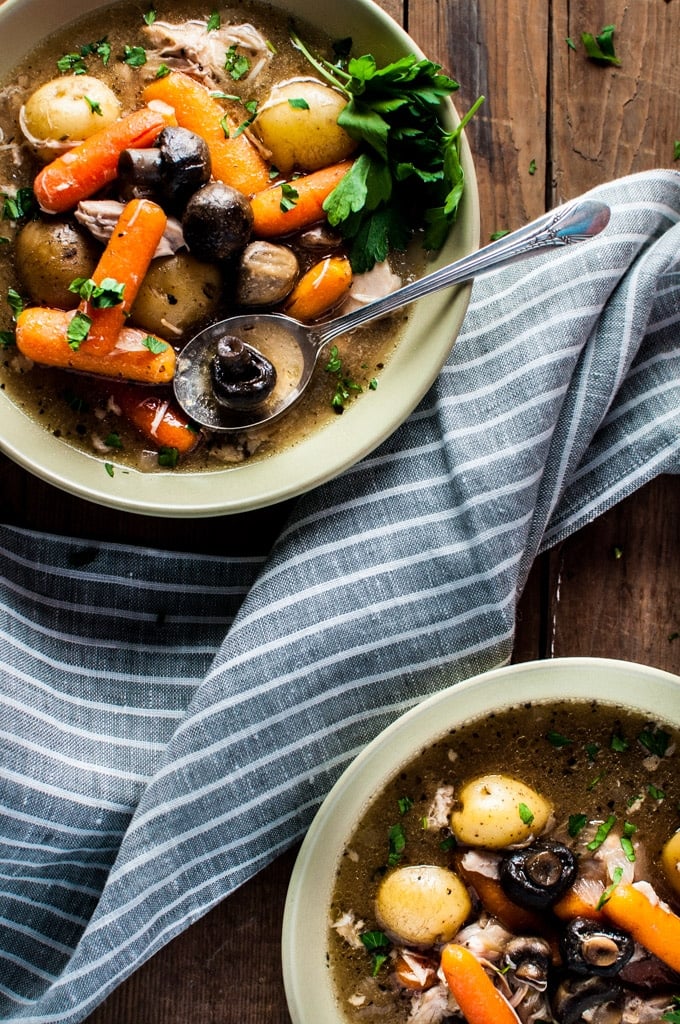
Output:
x=405 y=380
x=305 y=927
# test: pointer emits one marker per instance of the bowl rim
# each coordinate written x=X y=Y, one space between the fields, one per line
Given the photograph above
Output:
x=325 y=453
x=304 y=937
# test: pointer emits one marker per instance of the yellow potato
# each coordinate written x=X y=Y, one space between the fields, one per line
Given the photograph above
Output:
x=496 y=811
x=422 y=904
x=67 y=110
x=298 y=125
x=670 y=860
x=177 y=293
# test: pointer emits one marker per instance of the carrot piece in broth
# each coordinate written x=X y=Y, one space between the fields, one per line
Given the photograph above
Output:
x=235 y=159
x=473 y=989
x=92 y=164
x=273 y=217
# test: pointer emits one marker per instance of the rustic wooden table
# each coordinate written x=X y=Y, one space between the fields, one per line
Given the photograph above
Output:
x=554 y=124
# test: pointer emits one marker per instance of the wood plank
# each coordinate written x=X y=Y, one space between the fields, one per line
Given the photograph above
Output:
x=500 y=51
x=611 y=121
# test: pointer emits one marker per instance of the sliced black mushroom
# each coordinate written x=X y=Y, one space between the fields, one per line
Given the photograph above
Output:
x=217 y=222
x=595 y=1000
x=589 y=947
x=537 y=875
x=528 y=957
x=171 y=170
x=241 y=376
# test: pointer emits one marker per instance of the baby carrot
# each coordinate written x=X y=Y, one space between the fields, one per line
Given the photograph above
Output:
x=235 y=159
x=125 y=259
x=154 y=415
x=651 y=924
x=41 y=335
x=576 y=903
x=320 y=289
x=86 y=168
x=492 y=897
x=297 y=204
x=472 y=988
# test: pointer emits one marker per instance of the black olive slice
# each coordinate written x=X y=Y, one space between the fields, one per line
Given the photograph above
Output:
x=241 y=377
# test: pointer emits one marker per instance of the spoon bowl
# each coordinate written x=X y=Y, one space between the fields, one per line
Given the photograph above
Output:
x=294 y=348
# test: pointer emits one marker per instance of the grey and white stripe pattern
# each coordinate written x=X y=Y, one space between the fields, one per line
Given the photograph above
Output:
x=169 y=723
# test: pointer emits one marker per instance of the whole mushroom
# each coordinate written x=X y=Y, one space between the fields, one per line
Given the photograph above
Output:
x=217 y=222
x=172 y=170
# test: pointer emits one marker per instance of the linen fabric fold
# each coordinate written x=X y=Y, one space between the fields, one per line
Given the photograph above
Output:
x=171 y=722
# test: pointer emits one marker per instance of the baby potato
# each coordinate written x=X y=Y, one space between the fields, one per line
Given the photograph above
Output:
x=298 y=125
x=670 y=860
x=67 y=110
x=49 y=255
x=497 y=811
x=421 y=904
x=177 y=293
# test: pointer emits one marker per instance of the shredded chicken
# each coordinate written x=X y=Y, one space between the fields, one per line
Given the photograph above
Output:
x=375 y=283
x=349 y=928
x=197 y=51
x=439 y=811
x=100 y=216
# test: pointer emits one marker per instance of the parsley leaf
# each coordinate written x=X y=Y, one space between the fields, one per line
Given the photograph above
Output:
x=409 y=170
x=100 y=296
x=78 y=329
x=600 y=48
x=237 y=64
x=134 y=56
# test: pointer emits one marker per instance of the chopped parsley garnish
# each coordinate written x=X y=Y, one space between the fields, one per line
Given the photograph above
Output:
x=377 y=944
x=602 y=833
x=113 y=441
x=74 y=63
x=600 y=48
x=396 y=844
x=298 y=103
x=236 y=64
x=618 y=744
x=570 y=43
x=154 y=345
x=676 y=149
x=344 y=387
x=168 y=457
x=108 y=466
x=617 y=875
x=163 y=71
x=409 y=171
x=526 y=814
x=532 y=167
x=94 y=106
x=626 y=842
x=22 y=204
x=224 y=125
x=289 y=197
x=448 y=843
x=655 y=741
x=150 y=16
x=214 y=22
x=78 y=329
x=577 y=822
x=556 y=739
x=405 y=803
x=655 y=792
x=592 y=750
x=134 y=56
x=8 y=339
x=15 y=302
x=100 y=296
x=673 y=1016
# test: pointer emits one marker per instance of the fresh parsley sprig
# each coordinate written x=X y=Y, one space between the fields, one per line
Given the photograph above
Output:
x=408 y=172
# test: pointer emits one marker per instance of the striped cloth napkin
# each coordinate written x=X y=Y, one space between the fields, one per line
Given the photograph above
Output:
x=170 y=723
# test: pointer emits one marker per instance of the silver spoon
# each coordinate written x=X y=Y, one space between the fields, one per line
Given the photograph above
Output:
x=296 y=347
